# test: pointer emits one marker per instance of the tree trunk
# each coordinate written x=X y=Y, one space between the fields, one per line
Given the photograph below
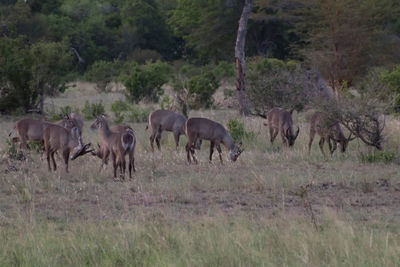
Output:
x=244 y=105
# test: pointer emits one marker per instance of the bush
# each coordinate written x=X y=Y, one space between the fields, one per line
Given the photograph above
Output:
x=118 y=108
x=91 y=110
x=237 y=131
x=166 y=103
x=142 y=56
x=275 y=83
x=138 y=114
x=102 y=73
x=144 y=82
x=223 y=70
x=201 y=88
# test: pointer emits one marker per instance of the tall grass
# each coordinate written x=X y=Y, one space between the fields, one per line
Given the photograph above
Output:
x=206 y=241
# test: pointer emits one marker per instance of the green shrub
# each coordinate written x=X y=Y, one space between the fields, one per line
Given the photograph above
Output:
x=201 y=88
x=118 y=108
x=379 y=156
x=237 y=131
x=145 y=82
x=138 y=114
x=91 y=110
x=166 y=103
x=223 y=70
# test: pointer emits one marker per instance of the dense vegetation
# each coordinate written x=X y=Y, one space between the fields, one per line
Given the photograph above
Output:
x=44 y=44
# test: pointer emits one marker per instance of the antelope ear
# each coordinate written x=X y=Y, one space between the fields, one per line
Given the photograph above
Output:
x=104 y=116
x=291 y=111
x=240 y=144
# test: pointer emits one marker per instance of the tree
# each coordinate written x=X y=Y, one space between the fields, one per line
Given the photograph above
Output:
x=344 y=38
x=244 y=105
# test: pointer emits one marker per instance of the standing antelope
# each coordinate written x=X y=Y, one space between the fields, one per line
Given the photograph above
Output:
x=118 y=144
x=165 y=120
x=103 y=152
x=329 y=131
x=68 y=141
x=280 y=121
x=32 y=130
x=201 y=128
x=76 y=121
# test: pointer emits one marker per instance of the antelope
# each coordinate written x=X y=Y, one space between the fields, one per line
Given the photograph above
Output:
x=165 y=120
x=280 y=121
x=329 y=131
x=76 y=121
x=103 y=151
x=68 y=141
x=202 y=128
x=118 y=144
x=32 y=130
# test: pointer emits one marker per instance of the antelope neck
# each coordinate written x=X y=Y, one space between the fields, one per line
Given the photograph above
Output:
x=228 y=142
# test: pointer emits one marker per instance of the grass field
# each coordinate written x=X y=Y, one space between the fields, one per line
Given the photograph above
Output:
x=274 y=206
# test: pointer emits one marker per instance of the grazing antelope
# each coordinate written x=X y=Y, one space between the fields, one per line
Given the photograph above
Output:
x=68 y=141
x=280 y=121
x=103 y=152
x=118 y=144
x=32 y=130
x=201 y=128
x=328 y=131
x=165 y=120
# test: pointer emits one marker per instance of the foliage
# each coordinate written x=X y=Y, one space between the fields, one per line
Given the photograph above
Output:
x=275 y=83
x=30 y=72
x=223 y=70
x=166 y=103
x=91 y=110
x=138 y=114
x=237 y=131
x=201 y=89
x=118 y=108
x=144 y=82
x=392 y=80
x=102 y=73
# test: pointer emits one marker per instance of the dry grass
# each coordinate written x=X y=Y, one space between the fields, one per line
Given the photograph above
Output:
x=246 y=213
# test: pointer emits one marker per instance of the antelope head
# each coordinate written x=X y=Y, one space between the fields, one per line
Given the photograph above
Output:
x=99 y=122
x=236 y=151
x=67 y=122
x=290 y=137
x=80 y=149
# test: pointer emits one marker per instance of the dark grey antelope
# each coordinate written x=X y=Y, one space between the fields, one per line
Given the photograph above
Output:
x=165 y=120
x=328 y=131
x=118 y=144
x=205 y=129
x=280 y=121
x=68 y=141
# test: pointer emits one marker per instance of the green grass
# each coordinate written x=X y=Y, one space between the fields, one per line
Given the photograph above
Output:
x=246 y=213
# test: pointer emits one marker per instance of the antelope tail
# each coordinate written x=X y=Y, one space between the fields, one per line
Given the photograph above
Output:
x=128 y=141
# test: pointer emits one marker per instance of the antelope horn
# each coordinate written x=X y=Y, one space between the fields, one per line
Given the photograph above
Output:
x=297 y=132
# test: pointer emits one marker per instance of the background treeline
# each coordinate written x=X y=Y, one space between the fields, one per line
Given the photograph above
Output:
x=190 y=44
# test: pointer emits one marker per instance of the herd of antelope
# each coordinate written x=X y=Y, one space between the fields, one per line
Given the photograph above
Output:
x=118 y=141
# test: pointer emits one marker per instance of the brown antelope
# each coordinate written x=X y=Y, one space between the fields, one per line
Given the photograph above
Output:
x=280 y=121
x=32 y=130
x=76 y=121
x=103 y=152
x=165 y=120
x=118 y=144
x=328 y=131
x=202 y=128
x=68 y=141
